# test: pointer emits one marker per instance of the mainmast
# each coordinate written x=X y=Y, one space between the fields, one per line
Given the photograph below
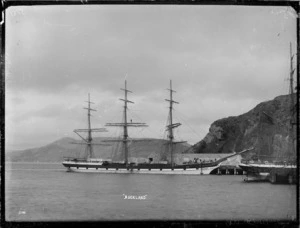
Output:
x=171 y=125
x=88 y=140
x=125 y=124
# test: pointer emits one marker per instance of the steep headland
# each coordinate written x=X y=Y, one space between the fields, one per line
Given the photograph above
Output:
x=266 y=127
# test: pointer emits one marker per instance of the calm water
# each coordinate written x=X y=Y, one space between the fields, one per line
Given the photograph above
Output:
x=47 y=192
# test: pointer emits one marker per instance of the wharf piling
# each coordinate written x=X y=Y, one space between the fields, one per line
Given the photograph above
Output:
x=227 y=170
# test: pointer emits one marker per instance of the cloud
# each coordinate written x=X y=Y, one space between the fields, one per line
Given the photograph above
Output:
x=223 y=60
x=114 y=43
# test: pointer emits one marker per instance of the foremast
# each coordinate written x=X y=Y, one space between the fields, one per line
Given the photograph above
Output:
x=171 y=125
x=125 y=124
x=89 y=153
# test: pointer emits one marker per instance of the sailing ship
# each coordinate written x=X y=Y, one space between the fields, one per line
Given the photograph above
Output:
x=280 y=170
x=92 y=164
x=270 y=171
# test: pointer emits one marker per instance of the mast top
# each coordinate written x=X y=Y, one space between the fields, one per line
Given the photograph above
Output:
x=170 y=89
x=171 y=95
x=89 y=101
x=125 y=89
x=89 y=105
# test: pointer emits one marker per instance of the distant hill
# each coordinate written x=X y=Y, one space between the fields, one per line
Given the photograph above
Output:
x=52 y=152
x=55 y=151
x=266 y=127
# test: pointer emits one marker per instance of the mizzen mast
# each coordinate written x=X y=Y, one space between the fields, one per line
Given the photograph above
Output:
x=171 y=125
x=125 y=124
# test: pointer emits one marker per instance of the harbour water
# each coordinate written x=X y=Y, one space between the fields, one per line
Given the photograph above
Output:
x=46 y=192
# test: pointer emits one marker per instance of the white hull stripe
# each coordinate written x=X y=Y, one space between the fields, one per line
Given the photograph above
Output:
x=144 y=171
x=268 y=166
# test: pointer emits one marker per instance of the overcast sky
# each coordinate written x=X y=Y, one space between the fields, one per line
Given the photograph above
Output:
x=223 y=61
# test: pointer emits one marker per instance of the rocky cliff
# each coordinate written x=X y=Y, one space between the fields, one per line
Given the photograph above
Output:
x=266 y=127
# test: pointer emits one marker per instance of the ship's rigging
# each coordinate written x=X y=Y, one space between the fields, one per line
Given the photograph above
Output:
x=89 y=152
x=171 y=125
x=125 y=124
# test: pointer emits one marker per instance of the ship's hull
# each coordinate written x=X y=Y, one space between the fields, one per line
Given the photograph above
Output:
x=268 y=171
x=90 y=167
x=265 y=168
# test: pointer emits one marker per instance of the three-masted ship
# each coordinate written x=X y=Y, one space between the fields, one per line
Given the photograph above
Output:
x=91 y=164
